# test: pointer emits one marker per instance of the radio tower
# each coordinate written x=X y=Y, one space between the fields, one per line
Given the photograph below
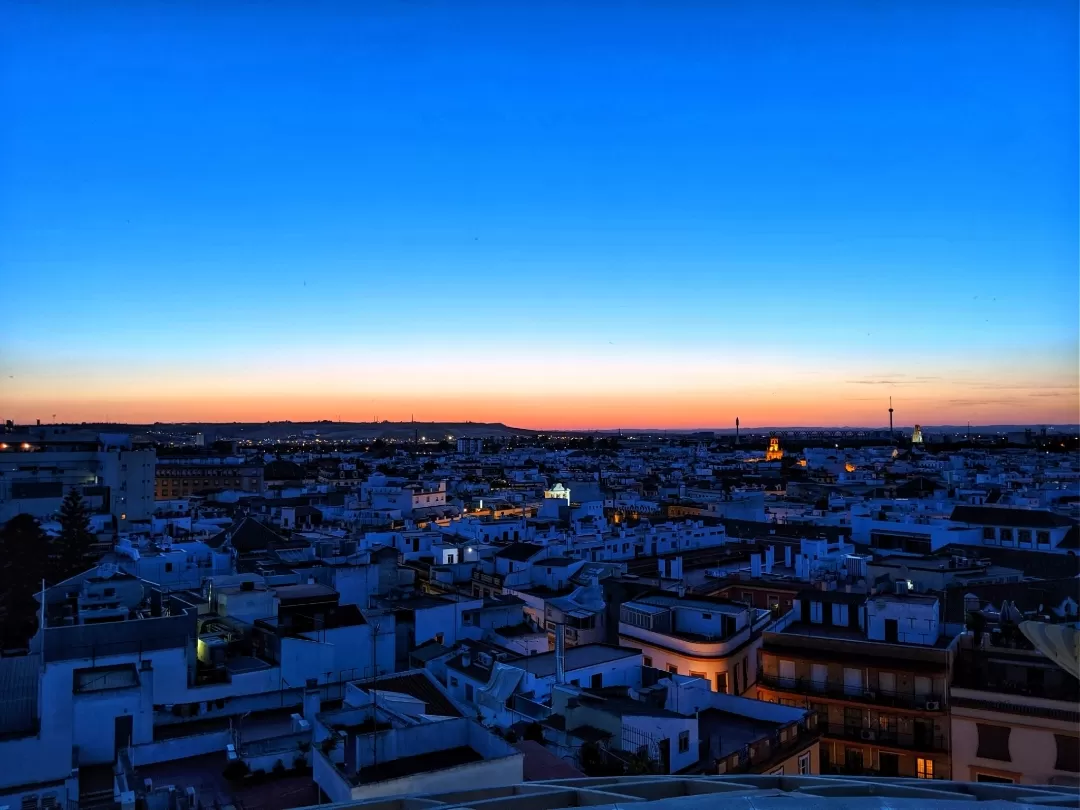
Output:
x=736 y=430
x=891 y=434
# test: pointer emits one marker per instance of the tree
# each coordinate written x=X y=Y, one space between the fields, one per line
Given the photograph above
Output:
x=24 y=557
x=74 y=546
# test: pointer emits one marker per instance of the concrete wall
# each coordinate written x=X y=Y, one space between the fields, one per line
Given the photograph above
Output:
x=669 y=728
x=917 y=623
x=182 y=747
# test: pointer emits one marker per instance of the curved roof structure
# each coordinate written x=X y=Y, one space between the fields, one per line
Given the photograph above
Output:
x=749 y=792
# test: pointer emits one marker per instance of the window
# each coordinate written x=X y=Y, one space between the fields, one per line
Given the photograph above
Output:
x=924 y=768
x=168 y=568
x=993 y=742
x=778 y=772
x=804 y=763
x=747 y=596
x=698 y=674
x=840 y=615
x=468 y=691
x=787 y=673
x=673 y=669
x=453 y=681
x=684 y=741
x=1042 y=538
x=1068 y=753
x=1006 y=536
x=721 y=682
x=988 y=533
x=110 y=592
x=773 y=600
x=1024 y=536
x=815 y=612
x=647 y=660
x=706 y=616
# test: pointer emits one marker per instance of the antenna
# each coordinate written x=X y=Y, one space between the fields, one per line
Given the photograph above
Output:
x=891 y=434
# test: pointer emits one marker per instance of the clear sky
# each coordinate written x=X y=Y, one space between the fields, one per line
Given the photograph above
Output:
x=553 y=214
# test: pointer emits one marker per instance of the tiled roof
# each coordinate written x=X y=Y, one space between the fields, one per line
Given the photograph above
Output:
x=246 y=535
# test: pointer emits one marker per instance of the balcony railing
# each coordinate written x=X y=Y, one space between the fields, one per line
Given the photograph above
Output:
x=839 y=691
x=887 y=737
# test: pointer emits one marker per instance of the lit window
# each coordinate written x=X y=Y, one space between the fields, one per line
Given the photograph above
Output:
x=925 y=768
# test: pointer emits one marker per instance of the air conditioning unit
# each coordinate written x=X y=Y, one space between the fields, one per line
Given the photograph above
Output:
x=933 y=705
x=867 y=734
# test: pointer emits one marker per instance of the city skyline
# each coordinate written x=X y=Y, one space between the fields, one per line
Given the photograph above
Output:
x=552 y=218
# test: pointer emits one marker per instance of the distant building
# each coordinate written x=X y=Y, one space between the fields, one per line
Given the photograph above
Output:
x=38 y=468
x=183 y=476
x=774 y=453
x=470 y=447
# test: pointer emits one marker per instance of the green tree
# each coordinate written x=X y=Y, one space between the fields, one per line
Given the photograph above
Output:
x=73 y=549
x=24 y=557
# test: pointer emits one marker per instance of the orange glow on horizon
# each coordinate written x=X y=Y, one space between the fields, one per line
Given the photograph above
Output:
x=689 y=410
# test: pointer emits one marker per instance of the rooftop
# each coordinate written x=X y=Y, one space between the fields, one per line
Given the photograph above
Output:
x=655 y=792
x=587 y=655
x=423 y=763
x=735 y=731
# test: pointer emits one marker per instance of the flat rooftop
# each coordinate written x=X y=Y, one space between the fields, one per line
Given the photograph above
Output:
x=408 y=766
x=735 y=731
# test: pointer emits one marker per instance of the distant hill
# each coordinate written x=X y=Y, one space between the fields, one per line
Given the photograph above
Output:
x=256 y=431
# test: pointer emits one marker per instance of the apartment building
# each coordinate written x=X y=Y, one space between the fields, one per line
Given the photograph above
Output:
x=1014 y=713
x=115 y=476
x=183 y=476
x=875 y=669
x=703 y=636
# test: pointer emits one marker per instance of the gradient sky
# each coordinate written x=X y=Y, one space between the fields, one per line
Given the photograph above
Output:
x=549 y=214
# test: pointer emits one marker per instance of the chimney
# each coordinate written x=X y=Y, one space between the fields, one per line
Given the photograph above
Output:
x=770 y=558
x=787 y=556
x=755 y=566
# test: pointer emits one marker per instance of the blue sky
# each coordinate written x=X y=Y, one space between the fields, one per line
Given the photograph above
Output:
x=740 y=192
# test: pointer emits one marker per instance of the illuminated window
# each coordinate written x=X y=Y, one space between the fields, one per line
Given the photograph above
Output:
x=925 y=768
x=804 y=763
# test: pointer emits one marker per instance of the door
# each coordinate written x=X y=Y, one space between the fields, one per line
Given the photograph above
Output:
x=887 y=683
x=853 y=681
x=664 y=747
x=819 y=676
x=892 y=631
x=597 y=681
x=853 y=760
x=890 y=764
x=122 y=731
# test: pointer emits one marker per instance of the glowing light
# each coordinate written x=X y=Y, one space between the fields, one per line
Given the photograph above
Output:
x=25 y=446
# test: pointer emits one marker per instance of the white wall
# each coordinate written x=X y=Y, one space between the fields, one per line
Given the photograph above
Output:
x=917 y=623
x=668 y=728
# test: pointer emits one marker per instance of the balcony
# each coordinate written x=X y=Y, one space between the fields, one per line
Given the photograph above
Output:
x=838 y=691
x=935 y=743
